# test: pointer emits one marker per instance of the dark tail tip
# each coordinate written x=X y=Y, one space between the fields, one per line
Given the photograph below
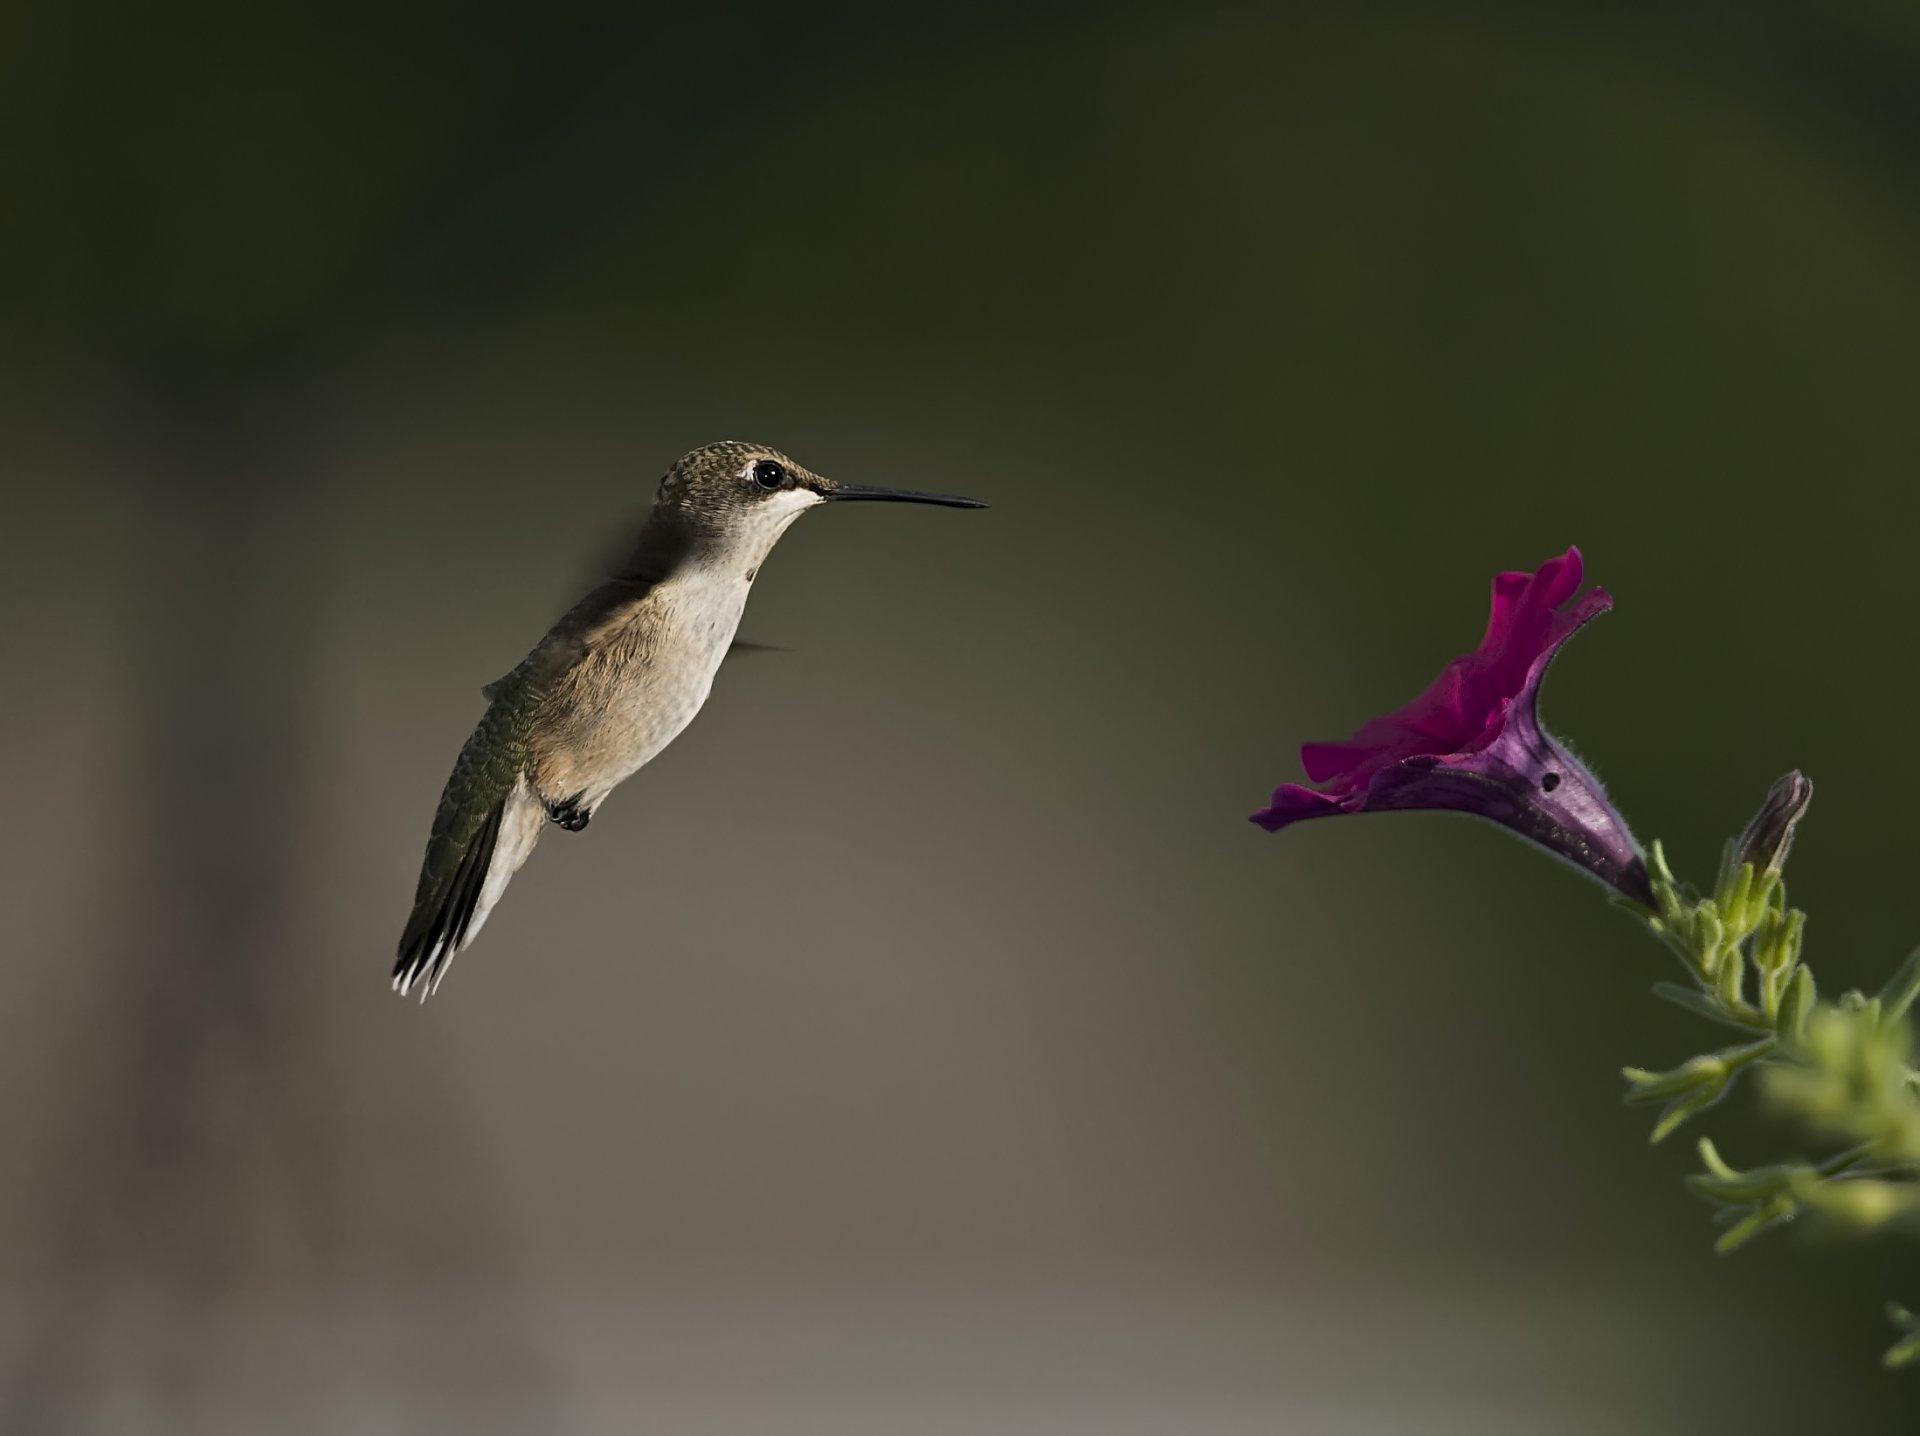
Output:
x=443 y=912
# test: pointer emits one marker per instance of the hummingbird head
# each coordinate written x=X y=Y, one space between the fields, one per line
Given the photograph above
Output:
x=747 y=494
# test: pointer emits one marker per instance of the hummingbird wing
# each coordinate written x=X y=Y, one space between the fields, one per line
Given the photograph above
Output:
x=741 y=647
x=489 y=816
x=467 y=864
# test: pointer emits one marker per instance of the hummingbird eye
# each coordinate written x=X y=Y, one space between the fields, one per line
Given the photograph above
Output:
x=768 y=474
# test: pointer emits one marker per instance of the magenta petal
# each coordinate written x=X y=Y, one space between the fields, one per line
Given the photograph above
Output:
x=1292 y=803
x=1325 y=762
x=1522 y=621
x=1472 y=742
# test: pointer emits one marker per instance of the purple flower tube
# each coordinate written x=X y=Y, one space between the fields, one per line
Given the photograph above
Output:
x=1472 y=743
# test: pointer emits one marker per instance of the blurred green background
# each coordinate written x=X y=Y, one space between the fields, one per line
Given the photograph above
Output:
x=927 y=1042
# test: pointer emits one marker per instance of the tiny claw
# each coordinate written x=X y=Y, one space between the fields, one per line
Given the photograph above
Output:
x=569 y=814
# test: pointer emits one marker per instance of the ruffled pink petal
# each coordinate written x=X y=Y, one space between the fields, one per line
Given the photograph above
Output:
x=1464 y=708
x=1509 y=592
x=1330 y=762
x=1472 y=742
x=1521 y=621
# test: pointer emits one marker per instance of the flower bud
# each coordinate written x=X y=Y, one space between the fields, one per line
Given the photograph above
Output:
x=1770 y=835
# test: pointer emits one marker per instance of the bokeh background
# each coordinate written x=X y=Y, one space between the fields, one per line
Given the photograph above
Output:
x=926 y=1042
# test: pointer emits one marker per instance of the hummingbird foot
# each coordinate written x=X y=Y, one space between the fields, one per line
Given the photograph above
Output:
x=568 y=813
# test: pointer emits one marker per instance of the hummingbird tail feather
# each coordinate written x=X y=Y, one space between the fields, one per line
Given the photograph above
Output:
x=468 y=866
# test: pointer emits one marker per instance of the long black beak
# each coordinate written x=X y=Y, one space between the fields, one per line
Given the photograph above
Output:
x=899 y=496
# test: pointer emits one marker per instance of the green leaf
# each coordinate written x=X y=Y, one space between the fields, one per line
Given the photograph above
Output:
x=1762 y=1218
x=1722 y=1182
x=1658 y=871
x=1766 y=941
x=1730 y=979
x=1897 y=996
x=1794 y=935
x=1723 y=878
x=1708 y=933
x=1711 y=1159
x=1796 y=1006
x=1658 y=1086
x=1732 y=899
x=1907 y=1349
x=1684 y=1108
x=1704 y=1004
x=1742 y=1188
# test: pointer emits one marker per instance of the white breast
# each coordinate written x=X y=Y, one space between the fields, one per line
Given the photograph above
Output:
x=678 y=644
x=698 y=613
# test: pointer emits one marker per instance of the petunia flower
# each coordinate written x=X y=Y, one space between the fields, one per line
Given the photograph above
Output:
x=1472 y=743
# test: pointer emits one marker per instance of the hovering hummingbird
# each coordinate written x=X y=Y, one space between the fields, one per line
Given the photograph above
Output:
x=611 y=684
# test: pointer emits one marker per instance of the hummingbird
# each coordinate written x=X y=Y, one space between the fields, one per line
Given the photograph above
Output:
x=611 y=684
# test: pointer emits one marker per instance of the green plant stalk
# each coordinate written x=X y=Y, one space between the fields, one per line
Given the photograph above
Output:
x=1843 y=1070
